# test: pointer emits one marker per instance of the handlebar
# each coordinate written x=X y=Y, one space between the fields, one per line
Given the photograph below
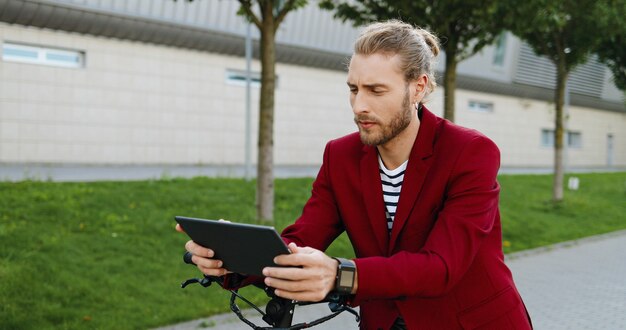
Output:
x=279 y=311
x=187 y=258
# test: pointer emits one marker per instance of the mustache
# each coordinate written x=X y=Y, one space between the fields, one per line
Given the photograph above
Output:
x=361 y=117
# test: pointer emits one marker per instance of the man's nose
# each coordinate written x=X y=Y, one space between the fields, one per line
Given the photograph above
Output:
x=359 y=104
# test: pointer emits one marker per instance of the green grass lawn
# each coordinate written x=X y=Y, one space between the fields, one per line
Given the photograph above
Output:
x=105 y=255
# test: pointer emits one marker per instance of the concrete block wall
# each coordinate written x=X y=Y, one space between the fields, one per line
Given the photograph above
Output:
x=516 y=124
x=136 y=103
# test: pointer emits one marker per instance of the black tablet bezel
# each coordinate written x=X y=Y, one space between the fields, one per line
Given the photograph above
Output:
x=244 y=248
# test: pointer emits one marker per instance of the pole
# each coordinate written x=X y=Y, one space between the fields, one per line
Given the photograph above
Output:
x=248 y=165
x=566 y=128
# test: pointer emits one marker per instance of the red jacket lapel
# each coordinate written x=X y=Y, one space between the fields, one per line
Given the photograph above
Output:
x=417 y=168
x=373 y=196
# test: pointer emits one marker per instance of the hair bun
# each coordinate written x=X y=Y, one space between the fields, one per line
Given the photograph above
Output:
x=431 y=40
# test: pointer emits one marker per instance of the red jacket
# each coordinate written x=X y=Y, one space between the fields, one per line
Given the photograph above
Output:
x=442 y=267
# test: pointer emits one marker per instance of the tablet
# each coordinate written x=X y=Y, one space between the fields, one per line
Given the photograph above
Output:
x=244 y=248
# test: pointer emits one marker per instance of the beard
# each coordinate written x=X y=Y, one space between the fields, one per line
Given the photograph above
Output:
x=388 y=131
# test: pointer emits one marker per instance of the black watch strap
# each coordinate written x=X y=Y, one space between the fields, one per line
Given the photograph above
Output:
x=346 y=271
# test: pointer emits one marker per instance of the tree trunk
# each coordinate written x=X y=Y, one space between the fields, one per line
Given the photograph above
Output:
x=449 y=81
x=561 y=79
x=265 y=164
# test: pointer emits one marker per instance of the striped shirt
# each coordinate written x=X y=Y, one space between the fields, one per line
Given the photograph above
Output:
x=392 y=184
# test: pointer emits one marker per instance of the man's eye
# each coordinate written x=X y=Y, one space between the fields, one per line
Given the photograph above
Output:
x=353 y=90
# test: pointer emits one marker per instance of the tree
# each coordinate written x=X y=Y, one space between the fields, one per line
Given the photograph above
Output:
x=613 y=53
x=270 y=14
x=567 y=32
x=464 y=26
x=612 y=50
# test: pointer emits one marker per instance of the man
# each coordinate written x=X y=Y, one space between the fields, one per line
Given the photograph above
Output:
x=417 y=196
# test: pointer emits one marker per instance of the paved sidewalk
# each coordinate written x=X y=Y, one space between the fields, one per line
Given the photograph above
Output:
x=573 y=285
x=576 y=285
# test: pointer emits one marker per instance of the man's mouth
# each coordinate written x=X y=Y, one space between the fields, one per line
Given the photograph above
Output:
x=366 y=124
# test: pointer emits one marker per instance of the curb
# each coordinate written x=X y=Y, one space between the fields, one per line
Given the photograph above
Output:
x=563 y=245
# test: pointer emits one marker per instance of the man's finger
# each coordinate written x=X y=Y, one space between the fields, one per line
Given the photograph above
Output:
x=294 y=259
x=294 y=286
x=296 y=249
x=290 y=273
x=199 y=250
x=213 y=271
x=206 y=263
x=300 y=295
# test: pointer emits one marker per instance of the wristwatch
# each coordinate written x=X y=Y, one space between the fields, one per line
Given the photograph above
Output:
x=346 y=271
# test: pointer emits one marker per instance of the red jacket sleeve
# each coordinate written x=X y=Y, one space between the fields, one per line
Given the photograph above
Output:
x=320 y=222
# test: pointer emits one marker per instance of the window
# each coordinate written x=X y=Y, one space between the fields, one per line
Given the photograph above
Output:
x=547 y=138
x=572 y=139
x=14 y=52
x=478 y=106
x=499 y=50
x=238 y=78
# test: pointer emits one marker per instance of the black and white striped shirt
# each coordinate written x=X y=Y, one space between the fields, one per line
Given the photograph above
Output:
x=392 y=184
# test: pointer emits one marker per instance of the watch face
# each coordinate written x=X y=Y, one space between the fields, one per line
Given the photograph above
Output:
x=346 y=278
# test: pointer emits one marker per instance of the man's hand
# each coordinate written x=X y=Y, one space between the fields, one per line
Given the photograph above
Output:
x=202 y=257
x=312 y=282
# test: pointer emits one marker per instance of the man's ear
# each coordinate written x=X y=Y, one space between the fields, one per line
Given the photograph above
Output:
x=418 y=87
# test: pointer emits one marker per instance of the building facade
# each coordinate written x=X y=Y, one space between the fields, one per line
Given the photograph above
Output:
x=162 y=83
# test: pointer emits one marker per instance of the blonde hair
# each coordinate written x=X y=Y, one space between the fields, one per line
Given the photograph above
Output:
x=416 y=47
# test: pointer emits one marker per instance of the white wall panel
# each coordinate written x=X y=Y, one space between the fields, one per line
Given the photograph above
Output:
x=138 y=103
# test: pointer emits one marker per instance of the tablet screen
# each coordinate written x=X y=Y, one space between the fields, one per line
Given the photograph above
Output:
x=244 y=248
